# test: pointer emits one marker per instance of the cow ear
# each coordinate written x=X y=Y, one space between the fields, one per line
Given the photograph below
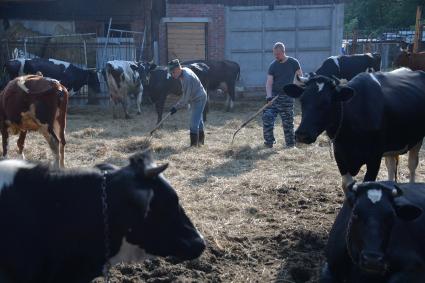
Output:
x=293 y=90
x=406 y=210
x=152 y=66
x=343 y=93
x=155 y=171
x=134 y=67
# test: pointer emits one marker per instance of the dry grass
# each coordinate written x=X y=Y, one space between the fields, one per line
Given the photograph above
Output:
x=265 y=213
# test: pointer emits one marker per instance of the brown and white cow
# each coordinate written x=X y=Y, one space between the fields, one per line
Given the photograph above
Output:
x=34 y=103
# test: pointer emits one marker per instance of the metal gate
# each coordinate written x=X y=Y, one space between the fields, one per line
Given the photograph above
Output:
x=311 y=33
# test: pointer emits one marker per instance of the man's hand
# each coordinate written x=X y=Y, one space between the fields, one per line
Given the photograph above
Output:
x=173 y=110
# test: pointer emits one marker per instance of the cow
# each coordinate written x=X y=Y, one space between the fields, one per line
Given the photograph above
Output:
x=124 y=77
x=222 y=74
x=378 y=235
x=374 y=115
x=161 y=84
x=348 y=66
x=414 y=61
x=66 y=225
x=34 y=103
x=69 y=75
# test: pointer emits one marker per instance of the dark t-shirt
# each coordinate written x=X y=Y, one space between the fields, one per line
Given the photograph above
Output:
x=283 y=73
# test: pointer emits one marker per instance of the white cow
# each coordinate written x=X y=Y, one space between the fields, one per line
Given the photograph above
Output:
x=125 y=77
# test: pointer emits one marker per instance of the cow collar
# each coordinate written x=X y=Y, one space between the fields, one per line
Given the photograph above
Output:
x=338 y=130
x=107 y=239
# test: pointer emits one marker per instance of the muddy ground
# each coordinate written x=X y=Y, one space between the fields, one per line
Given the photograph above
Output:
x=265 y=213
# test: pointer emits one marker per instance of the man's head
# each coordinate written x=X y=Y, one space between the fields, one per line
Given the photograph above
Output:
x=279 y=51
x=174 y=68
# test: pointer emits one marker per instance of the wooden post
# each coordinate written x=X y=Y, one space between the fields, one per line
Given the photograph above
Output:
x=354 y=43
x=418 y=30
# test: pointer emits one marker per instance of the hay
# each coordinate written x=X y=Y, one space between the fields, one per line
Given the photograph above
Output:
x=265 y=213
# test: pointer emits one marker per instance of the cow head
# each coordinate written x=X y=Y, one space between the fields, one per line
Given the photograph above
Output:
x=93 y=81
x=163 y=229
x=144 y=69
x=375 y=207
x=320 y=98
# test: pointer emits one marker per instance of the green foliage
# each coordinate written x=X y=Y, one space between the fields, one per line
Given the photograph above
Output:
x=373 y=16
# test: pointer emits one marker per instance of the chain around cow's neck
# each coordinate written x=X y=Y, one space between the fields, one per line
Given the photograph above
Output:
x=332 y=140
x=107 y=264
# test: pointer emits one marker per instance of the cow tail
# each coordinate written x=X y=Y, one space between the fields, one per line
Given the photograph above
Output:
x=238 y=76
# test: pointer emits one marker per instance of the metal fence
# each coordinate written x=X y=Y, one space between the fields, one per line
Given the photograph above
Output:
x=83 y=50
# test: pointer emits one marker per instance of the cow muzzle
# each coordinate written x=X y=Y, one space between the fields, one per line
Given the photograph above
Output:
x=373 y=262
x=304 y=137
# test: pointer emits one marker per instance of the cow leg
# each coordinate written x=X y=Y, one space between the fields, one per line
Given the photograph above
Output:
x=125 y=104
x=326 y=275
x=159 y=106
x=391 y=162
x=5 y=140
x=21 y=142
x=372 y=169
x=53 y=142
x=231 y=94
x=114 y=109
x=413 y=161
x=139 y=101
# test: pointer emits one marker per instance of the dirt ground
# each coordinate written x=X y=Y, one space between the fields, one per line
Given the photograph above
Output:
x=265 y=213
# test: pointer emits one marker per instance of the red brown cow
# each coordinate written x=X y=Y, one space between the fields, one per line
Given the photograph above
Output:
x=414 y=61
x=34 y=103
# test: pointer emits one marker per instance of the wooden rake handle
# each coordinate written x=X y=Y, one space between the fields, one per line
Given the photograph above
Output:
x=160 y=123
x=253 y=116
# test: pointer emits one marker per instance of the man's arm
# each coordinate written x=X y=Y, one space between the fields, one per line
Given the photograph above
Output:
x=269 y=85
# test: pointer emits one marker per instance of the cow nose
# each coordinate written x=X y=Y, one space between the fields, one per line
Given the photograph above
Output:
x=372 y=260
x=193 y=248
x=303 y=137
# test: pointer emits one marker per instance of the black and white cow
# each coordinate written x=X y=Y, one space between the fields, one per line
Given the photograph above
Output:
x=69 y=75
x=374 y=115
x=378 y=235
x=348 y=66
x=125 y=77
x=57 y=223
x=161 y=84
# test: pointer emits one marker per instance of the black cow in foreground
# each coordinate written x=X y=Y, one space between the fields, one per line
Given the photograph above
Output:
x=374 y=115
x=222 y=74
x=69 y=75
x=348 y=66
x=378 y=235
x=161 y=84
x=53 y=221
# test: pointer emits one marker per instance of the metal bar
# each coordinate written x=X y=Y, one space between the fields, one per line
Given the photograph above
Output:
x=106 y=41
x=85 y=53
x=59 y=35
x=126 y=31
x=142 y=48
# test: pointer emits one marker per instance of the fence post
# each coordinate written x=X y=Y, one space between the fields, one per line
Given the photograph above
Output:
x=418 y=32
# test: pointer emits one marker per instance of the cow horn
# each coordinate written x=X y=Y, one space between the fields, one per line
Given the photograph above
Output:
x=155 y=171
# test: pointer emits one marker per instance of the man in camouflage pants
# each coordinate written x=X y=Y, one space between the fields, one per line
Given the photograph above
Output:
x=281 y=72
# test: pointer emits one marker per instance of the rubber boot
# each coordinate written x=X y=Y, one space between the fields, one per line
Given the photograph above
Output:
x=201 y=138
x=194 y=139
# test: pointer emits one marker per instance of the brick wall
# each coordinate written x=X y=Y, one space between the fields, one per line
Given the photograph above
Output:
x=216 y=27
